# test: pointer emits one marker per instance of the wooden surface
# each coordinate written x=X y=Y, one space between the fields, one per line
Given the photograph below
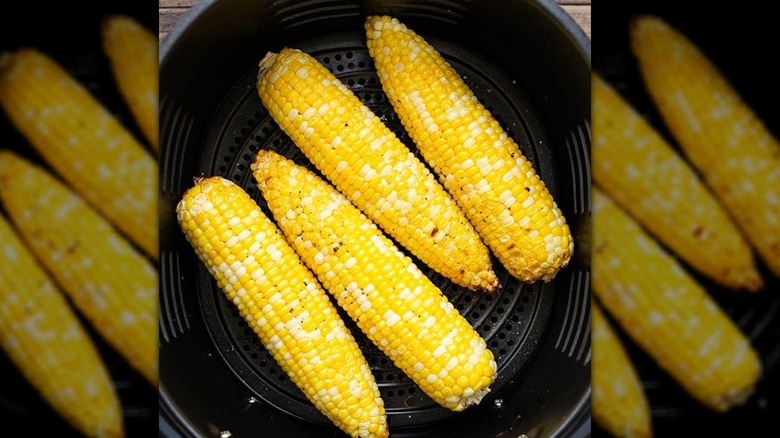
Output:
x=171 y=10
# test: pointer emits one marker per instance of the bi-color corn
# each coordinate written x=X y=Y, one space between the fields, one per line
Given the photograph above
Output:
x=82 y=142
x=666 y=312
x=619 y=401
x=45 y=340
x=476 y=161
x=107 y=279
x=283 y=303
x=132 y=51
x=640 y=171
x=398 y=308
x=722 y=136
x=365 y=160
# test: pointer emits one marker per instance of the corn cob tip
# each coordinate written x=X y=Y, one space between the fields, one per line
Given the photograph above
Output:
x=266 y=63
x=5 y=60
x=260 y=166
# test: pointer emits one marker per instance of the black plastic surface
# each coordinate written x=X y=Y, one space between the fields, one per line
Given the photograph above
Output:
x=213 y=123
x=69 y=32
x=739 y=41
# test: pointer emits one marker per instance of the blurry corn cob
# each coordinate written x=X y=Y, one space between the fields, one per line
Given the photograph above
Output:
x=667 y=313
x=113 y=285
x=619 y=402
x=132 y=53
x=48 y=344
x=82 y=142
x=351 y=146
x=480 y=165
x=283 y=303
x=390 y=299
x=723 y=138
x=640 y=171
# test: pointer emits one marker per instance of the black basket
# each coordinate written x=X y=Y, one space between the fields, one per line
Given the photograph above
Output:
x=741 y=54
x=526 y=60
x=70 y=33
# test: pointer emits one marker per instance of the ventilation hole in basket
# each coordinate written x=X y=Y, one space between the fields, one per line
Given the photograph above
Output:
x=390 y=393
x=482 y=306
x=254 y=356
x=351 y=66
x=326 y=60
x=350 y=82
x=340 y=68
x=361 y=65
x=500 y=310
x=337 y=57
x=263 y=363
x=222 y=169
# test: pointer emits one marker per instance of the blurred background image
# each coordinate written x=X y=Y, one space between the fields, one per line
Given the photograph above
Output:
x=644 y=186
x=69 y=34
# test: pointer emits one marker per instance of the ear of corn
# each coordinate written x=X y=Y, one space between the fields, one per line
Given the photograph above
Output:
x=82 y=142
x=47 y=343
x=283 y=303
x=390 y=299
x=132 y=53
x=638 y=169
x=477 y=162
x=619 y=402
x=667 y=313
x=721 y=135
x=113 y=285
x=351 y=146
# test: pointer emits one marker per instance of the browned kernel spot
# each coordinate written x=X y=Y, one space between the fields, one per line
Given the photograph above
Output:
x=698 y=230
x=511 y=245
x=434 y=231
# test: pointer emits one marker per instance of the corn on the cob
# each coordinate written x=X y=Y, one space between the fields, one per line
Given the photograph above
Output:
x=82 y=142
x=721 y=135
x=132 y=53
x=476 y=161
x=640 y=171
x=113 y=285
x=351 y=146
x=283 y=303
x=392 y=302
x=619 y=402
x=667 y=313
x=45 y=340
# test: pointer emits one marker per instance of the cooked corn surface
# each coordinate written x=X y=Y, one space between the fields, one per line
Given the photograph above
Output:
x=389 y=298
x=722 y=136
x=365 y=160
x=132 y=51
x=107 y=279
x=83 y=142
x=667 y=313
x=47 y=343
x=283 y=303
x=619 y=401
x=477 y=162
x=638 y=169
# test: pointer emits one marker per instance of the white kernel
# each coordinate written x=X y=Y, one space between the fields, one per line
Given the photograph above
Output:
x=233 y=221
x=232 y=241
x=529 y=201
x=391 y=318
x=453 y=399
x=466 y=164
x=432 y=378
x=418 y=367
x=350 y=262
x=292 y=114
x=341 y=166
x=452 y=363
x=302 y=72
x=430 y=321
x=309 y=112
x=439 y=351
x=365 y=306
x=318 y=258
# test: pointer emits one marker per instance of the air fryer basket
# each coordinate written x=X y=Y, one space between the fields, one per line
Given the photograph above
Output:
x=741 y=55
x=526 y=60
